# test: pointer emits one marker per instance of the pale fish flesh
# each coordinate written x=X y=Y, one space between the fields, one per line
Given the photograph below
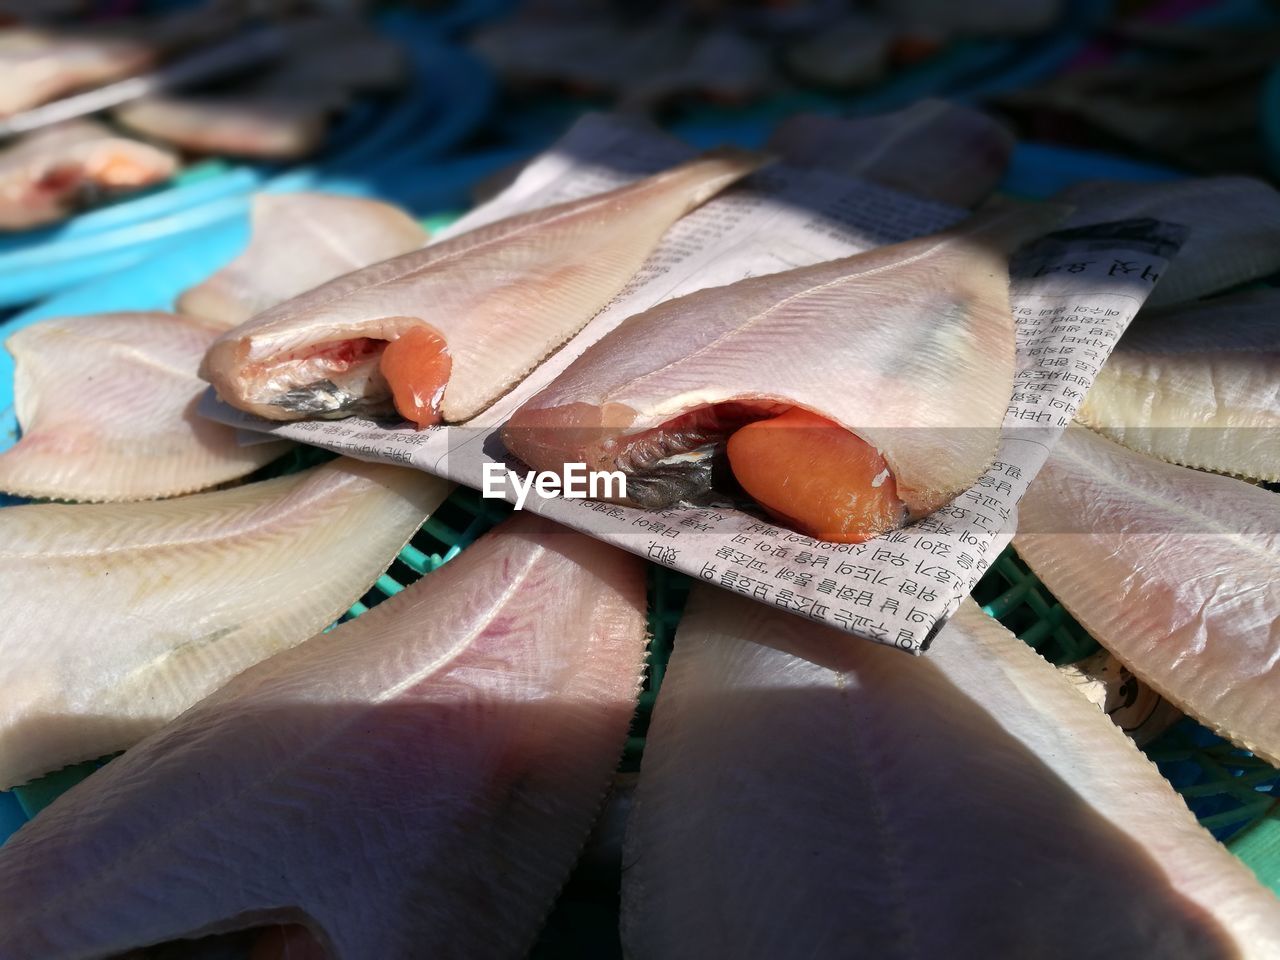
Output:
x=415 y=783
x=943 y=151
x=299 y=241
x=141 y=609
x=49 y=174
x=42 y=63
x=442 y=332
x=107 y=405
x=1197 y=385
x=1234 y=228
x=854 y=394
x=802 y=796
x=283 y=112
x=1173 y=571
x=262 y=126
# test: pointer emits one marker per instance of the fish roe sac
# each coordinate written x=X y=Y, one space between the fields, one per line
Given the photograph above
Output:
x=816 y=476
x=416 y=366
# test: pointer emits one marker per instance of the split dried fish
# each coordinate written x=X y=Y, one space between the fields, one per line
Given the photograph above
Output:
x=1172 y=570
x=107 y=406
x=802 y=796
x=1234 y=228
x=473 y=720
x=442 y=332
x=48 y=175
x=1197 y=385
x=299 y=241
x=141 y=609
x=854 y=394
x=944 y=151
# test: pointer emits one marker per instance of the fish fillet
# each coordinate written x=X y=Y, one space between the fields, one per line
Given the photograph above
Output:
x=1173 y=571
x=49 y=174
x=299 y=241
x=803 y=797
x=40 y=64
x=415 y=783
x=887 y=371
x=141 y=609
x=259 y=126
x=283 y=112
x=107 y=405
x=1234 y=228
x=1197 y=385
x=467 y=318
x=943 y=151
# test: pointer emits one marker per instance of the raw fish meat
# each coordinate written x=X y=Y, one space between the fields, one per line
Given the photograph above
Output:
x=1234 y=228
x=943 y=151
x=854 y=394
x=43 y=63
x=107 y=405
x=416 y=783
x=448 y=329
x=120 y=616
x=299 y=241
x=281 y=113
x=47 y=175
x=802 y=797
x=1173 y=571
x=264 y=126
x=1197 y=385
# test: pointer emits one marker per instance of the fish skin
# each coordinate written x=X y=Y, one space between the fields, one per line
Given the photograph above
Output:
x=1172 y=570
x=298 y=241
x=144 y=608
x=801 y=796
x=474 y=722
x=929 y=395
x=943 y=151
x=107 y=405
x=1196 y=385
x=46 y=175
x=1234 y=228
x=471 y=288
